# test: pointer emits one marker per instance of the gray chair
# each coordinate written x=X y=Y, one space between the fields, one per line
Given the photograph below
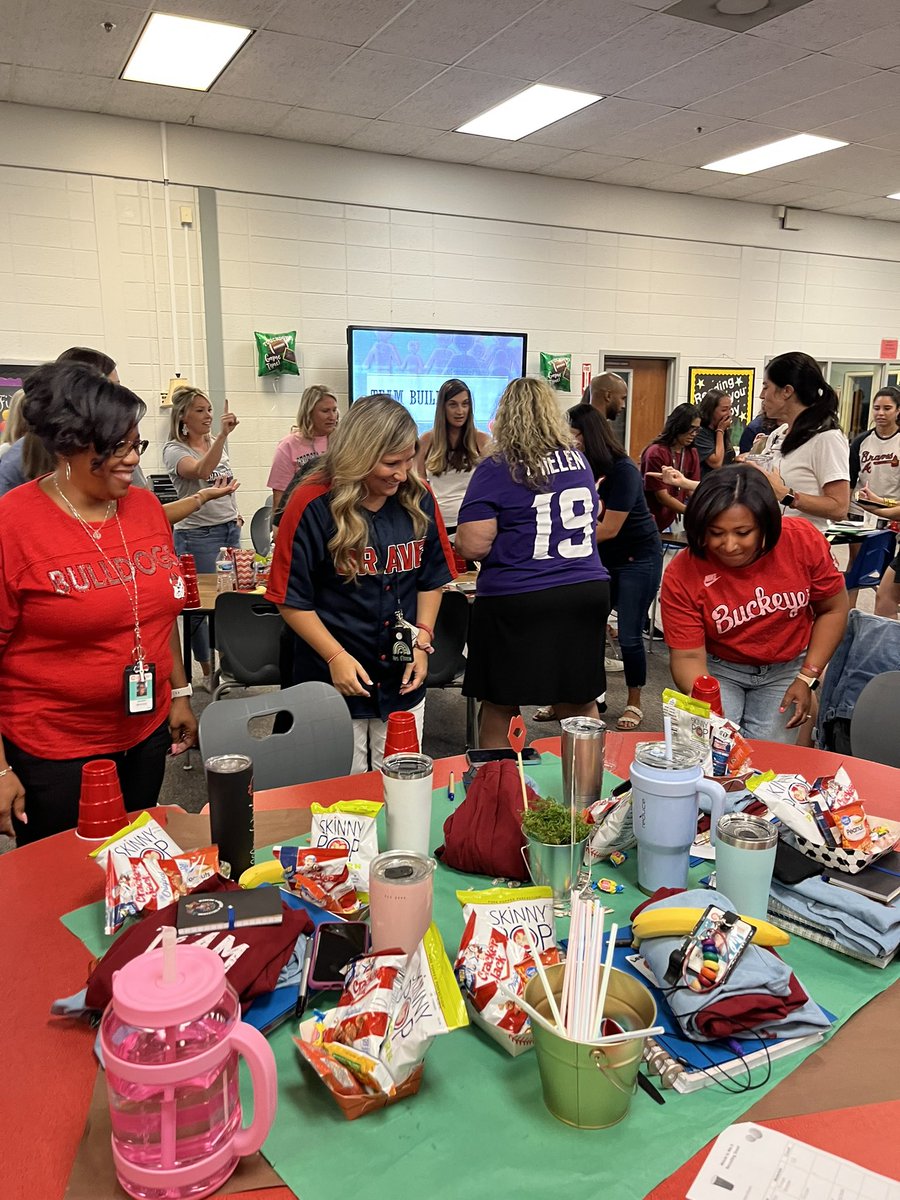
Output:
x=261 y=528
x=248 y=641
x=318 y=744
x=873 y=726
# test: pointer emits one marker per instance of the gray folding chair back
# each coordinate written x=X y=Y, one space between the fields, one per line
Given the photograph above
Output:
x=873 y=726
x=261 y=528
x=248 y=639
x=318 y=744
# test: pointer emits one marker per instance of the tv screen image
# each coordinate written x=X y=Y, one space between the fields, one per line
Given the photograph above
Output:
x=411 y=365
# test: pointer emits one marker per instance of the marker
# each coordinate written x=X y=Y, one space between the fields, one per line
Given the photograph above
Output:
x=231 y=916
x=451 y=788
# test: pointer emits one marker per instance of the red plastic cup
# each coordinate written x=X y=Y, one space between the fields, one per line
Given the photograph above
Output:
x=188 y=565
x=191 y=592
x=402 y=736
x=706 y=688
x=101 y=809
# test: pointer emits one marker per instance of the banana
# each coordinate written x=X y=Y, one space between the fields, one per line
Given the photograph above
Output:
x=673 y=922
x=267 y=872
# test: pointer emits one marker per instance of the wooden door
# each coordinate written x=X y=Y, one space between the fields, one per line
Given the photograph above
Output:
x=645 y=412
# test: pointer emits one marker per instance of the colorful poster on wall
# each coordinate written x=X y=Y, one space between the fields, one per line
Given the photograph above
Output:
x=737 y=381
x=11 y=376
x=557 y=368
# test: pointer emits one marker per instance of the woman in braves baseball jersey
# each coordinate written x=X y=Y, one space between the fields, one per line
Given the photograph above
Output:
x=755 y=601
x=360 y=561
x=530 y=515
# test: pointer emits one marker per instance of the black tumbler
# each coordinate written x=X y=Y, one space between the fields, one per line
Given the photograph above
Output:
x=229 y=785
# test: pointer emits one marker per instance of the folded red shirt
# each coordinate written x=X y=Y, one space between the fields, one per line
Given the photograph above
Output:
x=484 y=835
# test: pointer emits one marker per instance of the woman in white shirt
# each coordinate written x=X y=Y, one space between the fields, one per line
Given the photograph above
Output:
x=810 y=457
x=449 y=453
x=875 y=455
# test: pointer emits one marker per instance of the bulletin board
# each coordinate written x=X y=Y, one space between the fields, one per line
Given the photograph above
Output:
x=739 y=382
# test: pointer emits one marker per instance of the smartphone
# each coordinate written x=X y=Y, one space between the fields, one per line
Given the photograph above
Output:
x=728 y=936
x=477 y=758
x=335 y=944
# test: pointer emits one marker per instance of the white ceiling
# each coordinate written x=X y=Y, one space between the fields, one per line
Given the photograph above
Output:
x=398 y=76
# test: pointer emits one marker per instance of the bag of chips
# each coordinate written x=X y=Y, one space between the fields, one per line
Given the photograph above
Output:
x=349 y=825
x=361 y=1017
x=276 y=353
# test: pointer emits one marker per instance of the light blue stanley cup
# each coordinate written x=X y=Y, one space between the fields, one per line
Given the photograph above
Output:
x=666 y=797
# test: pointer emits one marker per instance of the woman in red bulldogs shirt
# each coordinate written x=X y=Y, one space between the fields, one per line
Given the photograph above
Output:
x=755 y=601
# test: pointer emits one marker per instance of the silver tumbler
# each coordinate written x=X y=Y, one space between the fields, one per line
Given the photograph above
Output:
x=583 y=744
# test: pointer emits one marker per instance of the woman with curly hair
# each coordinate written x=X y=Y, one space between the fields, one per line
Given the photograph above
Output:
x=449 y=453
x=361 y=557
x=539 y=618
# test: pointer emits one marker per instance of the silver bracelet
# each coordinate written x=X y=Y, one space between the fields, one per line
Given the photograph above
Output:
x=6 y=771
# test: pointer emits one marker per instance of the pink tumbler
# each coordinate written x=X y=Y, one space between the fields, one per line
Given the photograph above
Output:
x=171 y=1037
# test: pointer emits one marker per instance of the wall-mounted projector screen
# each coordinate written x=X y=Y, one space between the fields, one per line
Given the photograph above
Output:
x=411 y=365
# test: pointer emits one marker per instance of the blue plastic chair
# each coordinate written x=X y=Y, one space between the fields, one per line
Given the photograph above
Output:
x=867 y=568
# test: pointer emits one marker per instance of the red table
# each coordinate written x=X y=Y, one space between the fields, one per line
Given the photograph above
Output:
x=49 y=1068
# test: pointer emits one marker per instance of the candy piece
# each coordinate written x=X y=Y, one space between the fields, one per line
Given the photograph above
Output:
x=610 y=886
x=617 y=858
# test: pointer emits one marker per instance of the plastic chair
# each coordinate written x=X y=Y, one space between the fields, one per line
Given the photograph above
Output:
x=869 y=565
x=261 y=528
x=870 y=647
x=447 y=665
x=318 y=744
x=248 y=641
x=873 y=726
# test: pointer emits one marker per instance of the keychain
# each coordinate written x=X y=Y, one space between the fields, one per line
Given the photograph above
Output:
x=402 y=646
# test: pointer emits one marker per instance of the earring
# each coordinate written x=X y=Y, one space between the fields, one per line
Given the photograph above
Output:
x=68 y=470
x=182 y=429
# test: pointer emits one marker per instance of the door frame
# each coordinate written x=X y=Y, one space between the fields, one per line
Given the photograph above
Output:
x=673 y=373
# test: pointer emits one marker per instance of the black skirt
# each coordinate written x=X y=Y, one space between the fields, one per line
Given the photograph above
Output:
x=542 y=647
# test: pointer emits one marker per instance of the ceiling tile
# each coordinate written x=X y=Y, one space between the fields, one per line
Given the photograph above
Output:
x=557 y=32
x=442 y=32
x=460 y=148
x=885 y=210
x=778 y=191
x=855 y=168
x=521 y=156
x=281 y=68
x=736 y=61
x=875 y=91
x=454 y=98
x=878 y=49
x=825 y=23
x=252 y=14
x=355 y=20
x=653 y=45
x=586 y=166
x=649 y=141
x=681 y=181
x=868 y=127
x=734 y=187
x=732 y=139
x=639 y=173
x=588 y=129
x=31 y=85
x=70 y=38
x=238 y=113
x=148 y=102
x=809 y=76
x=389 y=137
x=311 y=125
x=368 y=84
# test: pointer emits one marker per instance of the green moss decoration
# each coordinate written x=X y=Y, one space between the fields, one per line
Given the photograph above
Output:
x=550 y=822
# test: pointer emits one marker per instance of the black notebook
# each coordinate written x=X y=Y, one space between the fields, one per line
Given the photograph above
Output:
x=229 y=910
x=881 y=881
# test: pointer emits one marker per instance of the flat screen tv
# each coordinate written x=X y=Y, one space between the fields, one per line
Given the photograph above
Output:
x=411 y=365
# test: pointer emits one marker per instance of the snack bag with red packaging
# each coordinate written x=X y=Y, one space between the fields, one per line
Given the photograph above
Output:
x=152 y=882
x=321 y=875
x=361 y=1017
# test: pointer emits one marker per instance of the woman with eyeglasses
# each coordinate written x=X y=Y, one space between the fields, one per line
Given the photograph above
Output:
x=90 y=593
x=195 y=459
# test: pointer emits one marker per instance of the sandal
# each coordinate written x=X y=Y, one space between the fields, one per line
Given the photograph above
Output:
x=545 y=713
x=627 y=723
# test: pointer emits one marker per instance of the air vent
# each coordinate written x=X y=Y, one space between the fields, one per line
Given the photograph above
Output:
x=736 y=15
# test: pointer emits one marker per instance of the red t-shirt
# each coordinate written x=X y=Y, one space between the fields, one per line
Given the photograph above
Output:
x=654 y=458
x=67 y=624
x=760 y=613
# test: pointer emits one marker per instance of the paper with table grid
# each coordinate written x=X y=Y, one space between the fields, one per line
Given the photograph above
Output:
x=750 y=1162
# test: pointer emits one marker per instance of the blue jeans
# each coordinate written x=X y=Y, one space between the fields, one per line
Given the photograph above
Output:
x=205 y=543
x=632 y=587
x=752 y=695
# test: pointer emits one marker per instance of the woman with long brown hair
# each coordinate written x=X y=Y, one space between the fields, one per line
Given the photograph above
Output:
x=450 y=451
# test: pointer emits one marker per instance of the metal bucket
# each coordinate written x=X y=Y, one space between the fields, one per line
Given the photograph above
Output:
x=555 y=867
x=590 y=1087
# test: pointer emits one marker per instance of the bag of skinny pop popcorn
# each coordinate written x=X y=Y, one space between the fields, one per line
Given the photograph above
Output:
x=494 y=957
x=349 y=824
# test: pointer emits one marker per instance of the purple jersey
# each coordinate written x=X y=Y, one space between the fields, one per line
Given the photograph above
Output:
x=545 y=538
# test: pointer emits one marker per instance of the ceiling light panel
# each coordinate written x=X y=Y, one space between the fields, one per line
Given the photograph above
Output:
x=183 y=52
x=532 y=109
x=775 y=154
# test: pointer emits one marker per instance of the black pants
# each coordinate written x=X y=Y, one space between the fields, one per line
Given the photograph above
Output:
x=52 y=786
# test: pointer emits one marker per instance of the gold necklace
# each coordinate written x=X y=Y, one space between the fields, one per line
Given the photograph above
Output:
x=91 y=532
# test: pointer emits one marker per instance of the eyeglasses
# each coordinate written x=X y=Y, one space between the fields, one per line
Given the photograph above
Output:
x=123 y=449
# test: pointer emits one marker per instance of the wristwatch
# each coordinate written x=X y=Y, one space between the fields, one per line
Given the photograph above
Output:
x=187 y=690
x=788 y=500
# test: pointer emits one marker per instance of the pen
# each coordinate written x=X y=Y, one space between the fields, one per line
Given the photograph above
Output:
x=451 y=787
x=650 y=1088
x=303 y=993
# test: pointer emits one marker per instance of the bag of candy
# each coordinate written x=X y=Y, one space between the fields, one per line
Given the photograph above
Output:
x=321 y=876
x=349 y=825
x=494 y=951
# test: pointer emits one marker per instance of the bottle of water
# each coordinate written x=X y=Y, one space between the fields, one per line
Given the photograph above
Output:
x=225 y=571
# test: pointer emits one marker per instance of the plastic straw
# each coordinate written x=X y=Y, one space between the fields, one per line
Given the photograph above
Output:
x=551 y=999
x=629 y=1035
x=596 y=952
x=169 y=939
x=604 y=986
x=667 y=732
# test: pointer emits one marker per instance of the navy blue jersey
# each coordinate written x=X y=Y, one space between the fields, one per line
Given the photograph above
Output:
x=360 y=613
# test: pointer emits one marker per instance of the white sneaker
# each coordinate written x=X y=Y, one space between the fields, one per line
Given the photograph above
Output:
x=614 y=666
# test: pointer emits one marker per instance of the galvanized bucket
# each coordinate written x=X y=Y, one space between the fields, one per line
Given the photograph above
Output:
x=555 y=867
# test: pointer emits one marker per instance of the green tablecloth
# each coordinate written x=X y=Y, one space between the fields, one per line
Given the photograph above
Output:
x=478 y=1127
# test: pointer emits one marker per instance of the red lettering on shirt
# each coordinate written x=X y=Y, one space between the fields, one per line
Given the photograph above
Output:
x=369 y=562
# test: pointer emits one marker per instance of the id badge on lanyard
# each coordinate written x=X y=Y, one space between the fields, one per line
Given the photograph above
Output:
x=402 y=644
x=140 y=688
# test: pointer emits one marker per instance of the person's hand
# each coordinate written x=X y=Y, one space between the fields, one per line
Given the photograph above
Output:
x=865 y=494
x=800 y=696
x=12 y=800
x=779 y=487
x=182 y=725
x=217 y=491
x=416 y=671
x=725 y=422
x=348 y=675
x=670 y=477
x=229 y=421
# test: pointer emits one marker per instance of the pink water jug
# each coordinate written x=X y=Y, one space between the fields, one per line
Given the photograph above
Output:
x=171 y=1037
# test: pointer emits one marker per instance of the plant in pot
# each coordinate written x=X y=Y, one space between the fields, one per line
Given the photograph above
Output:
x=554 y=858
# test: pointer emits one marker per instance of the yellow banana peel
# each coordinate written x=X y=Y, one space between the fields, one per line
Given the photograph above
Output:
x=266 y=872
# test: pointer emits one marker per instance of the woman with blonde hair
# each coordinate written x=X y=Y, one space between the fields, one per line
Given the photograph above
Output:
x=360 y=561
x=539 y=618
x=317 y=419
x=14 y=427
x=196 y=460
x=450 y=451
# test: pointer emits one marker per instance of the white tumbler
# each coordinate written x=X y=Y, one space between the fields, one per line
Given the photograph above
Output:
x=407 y=800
